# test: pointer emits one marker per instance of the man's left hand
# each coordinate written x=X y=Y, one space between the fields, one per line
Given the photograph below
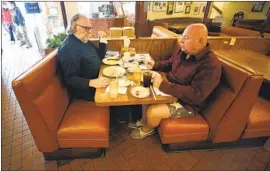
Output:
x=157 y=80
x=102 y=34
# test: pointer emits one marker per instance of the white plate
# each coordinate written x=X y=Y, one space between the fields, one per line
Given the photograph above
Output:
x=114 y=71
x=111 y=60
x=140 y=92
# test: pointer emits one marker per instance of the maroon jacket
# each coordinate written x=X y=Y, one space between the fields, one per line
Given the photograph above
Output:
x=191 y=80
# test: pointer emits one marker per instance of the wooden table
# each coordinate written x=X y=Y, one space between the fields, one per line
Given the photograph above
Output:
x=256 y=61
x=104 y=99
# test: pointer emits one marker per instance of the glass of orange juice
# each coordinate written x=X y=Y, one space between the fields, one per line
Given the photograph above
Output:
x=137 y=76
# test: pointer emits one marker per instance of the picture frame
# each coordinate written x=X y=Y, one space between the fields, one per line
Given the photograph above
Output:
x=170 y=6
x=179 y=7
x=196 y=10
x=187 y=9
x=159 y=6
x=258 y=6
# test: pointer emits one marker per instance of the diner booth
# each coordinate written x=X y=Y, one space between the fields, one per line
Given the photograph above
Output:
x=235 y=116
x=51 y=130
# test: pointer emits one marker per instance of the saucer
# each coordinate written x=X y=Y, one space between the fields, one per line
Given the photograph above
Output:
x=140 y=92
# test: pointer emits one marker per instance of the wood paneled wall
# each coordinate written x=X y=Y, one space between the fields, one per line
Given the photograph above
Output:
x=162 y=48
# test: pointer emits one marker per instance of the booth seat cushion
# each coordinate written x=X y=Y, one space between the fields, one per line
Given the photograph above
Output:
x=84 y=125
x=259 y=120
x=180 y=130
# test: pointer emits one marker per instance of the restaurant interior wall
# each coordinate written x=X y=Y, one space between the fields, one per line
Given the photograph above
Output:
x=152 y=15
x=230 y=8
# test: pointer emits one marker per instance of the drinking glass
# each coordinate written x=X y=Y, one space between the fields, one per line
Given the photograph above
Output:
x=147 y=77
x=113 y=86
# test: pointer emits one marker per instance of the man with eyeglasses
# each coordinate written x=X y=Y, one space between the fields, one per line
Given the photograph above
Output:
x=79 y=61
x=193 y=73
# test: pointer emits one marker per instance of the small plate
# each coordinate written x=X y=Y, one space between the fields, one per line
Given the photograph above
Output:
x=114 y=71
x=111 y=60
x=140 y=92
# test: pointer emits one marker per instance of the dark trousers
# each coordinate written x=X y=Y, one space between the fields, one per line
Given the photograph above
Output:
x=130 y=113
x=10 y=29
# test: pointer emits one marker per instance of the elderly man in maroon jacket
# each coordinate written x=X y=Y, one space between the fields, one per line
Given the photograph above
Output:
x=193 y=73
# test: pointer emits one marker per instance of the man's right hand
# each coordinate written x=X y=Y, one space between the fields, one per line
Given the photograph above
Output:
x=150 y=64
x=99 y=82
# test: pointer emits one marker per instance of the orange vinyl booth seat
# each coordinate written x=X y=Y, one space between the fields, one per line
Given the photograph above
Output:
x=59 y=125
x=226 y=115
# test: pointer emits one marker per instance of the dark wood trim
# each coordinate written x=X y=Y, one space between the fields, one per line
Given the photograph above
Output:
x=264 y=24
x=74 y=153
x=64 y=14
x=217 y=9
x=207 y=145
x=206 y=12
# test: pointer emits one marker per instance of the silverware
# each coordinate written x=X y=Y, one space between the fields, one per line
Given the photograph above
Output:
x=153 y=92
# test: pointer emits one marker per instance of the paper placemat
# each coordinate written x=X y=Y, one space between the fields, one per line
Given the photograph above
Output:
x=121 y=90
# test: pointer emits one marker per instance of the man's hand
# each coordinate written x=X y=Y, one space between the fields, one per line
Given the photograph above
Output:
x=157 y=80
x=150 y=64
x=102 y=34
x=99 y=82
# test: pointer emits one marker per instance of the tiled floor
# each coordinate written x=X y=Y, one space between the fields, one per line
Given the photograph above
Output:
x=20 y=153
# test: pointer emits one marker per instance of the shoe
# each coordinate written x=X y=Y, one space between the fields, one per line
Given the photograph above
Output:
x=23 y=43
x=136 y=124
x=139 y=134
x=28 y=46
x=12 y=42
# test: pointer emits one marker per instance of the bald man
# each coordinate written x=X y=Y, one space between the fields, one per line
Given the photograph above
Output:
x=193 y=73
x=79 y=61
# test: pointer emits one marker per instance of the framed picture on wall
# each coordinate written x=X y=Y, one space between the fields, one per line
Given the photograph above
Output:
x=187 y=9
x=170 y=6
x=196 y=10
x=257 y=7
x=179 y=7
x=159 y=6
x=188 y=3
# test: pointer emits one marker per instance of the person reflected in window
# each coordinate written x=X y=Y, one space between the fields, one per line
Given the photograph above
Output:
x=7 y=21
x=193 y=73
x=19 y=22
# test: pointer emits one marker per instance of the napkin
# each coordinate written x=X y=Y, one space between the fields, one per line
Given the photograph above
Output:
x=121 y=90
x=160 y=93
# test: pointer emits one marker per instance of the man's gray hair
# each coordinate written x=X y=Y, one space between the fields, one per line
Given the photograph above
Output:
x=73 y=22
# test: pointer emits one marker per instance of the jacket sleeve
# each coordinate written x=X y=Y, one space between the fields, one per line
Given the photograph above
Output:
x=71 y=68
x=164 y=66
x=203 y=83
x=101 y=50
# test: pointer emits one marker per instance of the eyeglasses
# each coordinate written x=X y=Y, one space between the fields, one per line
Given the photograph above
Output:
x=85 y=27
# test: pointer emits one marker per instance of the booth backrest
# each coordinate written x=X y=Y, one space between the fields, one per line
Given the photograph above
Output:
x=236 y=31
x=43 y=100
x=230 y=104
x=159 y=31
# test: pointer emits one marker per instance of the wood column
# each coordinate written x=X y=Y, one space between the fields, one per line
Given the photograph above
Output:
x=206 y=12
x=142 y=28
x=64 y=14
